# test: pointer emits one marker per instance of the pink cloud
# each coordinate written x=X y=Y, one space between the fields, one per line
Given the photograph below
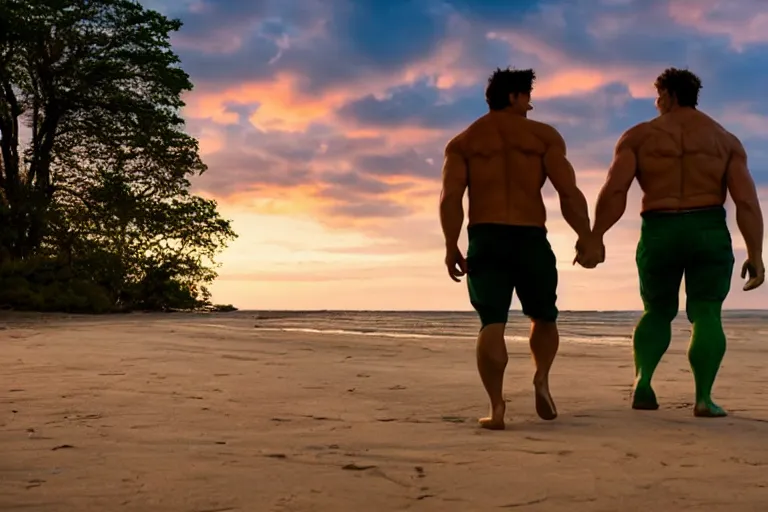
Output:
x=744 y=22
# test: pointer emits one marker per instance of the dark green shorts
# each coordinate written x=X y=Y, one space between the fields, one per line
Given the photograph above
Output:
x=502 y=259
x=694 y=243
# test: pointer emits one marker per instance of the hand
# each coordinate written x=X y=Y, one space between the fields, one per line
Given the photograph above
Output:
x=756 y=271
x=590 y=251
x=456 y=264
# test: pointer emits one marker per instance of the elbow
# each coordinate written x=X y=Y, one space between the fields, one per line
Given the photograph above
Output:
x=747 y=206
x=613 y=196
x=450 y=201
x=571 y=195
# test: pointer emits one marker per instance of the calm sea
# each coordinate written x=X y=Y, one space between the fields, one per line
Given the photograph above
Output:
x=602 y=327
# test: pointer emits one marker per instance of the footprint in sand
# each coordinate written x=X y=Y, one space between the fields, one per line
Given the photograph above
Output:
x=356 y=467
x=454 y=419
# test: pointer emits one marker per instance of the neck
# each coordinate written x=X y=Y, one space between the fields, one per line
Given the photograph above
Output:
x=512 y=112
x=678 y=108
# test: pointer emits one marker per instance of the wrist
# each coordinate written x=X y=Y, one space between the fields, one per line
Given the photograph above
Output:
x=597 y=235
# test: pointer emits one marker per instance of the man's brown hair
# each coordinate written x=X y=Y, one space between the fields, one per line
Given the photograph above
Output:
x=504 y=82
x=680 y=83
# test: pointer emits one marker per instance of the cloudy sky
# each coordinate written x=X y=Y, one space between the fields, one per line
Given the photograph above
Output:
x=323 y=124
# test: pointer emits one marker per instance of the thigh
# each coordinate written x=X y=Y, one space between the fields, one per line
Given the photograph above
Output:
x=709 y=265
x=660 y=271
x=535 y=278
x=490 y=292
x=488 y=275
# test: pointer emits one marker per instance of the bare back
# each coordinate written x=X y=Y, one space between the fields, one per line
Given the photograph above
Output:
x=682 y=158
x=505 y=169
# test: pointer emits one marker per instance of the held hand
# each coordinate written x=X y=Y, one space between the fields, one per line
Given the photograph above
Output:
x=590 y=251
x=456 y=264
x=756 y=272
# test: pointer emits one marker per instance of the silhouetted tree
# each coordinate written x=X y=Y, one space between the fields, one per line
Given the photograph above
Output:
x=95 y=162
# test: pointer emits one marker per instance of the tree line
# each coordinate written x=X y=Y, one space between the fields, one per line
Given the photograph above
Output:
x=96 y=213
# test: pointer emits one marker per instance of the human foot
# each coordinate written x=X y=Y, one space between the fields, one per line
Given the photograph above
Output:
x=644 y=398
x=496 y=420
x=709 y=410
x=545 y=405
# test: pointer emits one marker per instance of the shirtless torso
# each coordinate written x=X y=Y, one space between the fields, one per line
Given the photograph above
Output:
x=682 y=159
x=505 y=161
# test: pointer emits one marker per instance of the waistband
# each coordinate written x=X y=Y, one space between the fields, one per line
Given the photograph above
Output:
x=505 y=230
x=714 y=211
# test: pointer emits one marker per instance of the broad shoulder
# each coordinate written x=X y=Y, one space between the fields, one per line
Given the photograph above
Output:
x=633 y=137
x=734 y=143
x=545 y=132
x=461 y=143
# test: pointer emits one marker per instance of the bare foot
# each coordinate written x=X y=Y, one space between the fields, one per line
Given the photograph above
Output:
x=709 y=410
x=545 y=405
x=496 y=420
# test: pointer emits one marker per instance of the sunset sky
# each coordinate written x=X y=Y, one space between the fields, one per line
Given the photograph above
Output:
x=323 y=124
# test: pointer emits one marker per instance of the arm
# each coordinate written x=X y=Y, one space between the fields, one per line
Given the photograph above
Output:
x=573 y=204
x=612 y=199
x=452 y=195
x=744 y=194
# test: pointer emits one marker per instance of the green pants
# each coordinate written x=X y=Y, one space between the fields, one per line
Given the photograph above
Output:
x=502 y=259
x=696 y=245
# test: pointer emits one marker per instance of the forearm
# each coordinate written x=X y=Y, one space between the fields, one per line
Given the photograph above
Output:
x=749 y=218
x=451 y=220
x=576 y=212
x=611 y=205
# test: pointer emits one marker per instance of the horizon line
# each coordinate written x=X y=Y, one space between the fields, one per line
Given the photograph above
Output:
x=460 y=310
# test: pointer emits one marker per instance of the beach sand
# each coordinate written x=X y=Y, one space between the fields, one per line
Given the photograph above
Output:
x=206 y=413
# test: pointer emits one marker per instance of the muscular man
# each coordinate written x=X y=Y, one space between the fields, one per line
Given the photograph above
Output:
x=685 y=163
x=503 y=159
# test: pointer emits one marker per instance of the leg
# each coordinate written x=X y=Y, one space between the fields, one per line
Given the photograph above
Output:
x=544 y=341
x=491 y=362
x=707 y=283
x=490 y=292
x=536 y=280
x=705 y=353
x=660 y=272
x=650 y=341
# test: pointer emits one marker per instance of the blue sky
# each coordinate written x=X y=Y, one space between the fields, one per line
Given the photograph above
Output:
x=323 y=124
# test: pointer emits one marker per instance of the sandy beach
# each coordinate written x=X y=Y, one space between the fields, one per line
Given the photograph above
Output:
x=208 y=413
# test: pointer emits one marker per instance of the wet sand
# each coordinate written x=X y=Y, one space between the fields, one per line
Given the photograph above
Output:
x=205 y=413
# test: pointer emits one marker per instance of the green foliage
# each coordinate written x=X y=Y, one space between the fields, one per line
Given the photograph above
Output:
x=99 y=195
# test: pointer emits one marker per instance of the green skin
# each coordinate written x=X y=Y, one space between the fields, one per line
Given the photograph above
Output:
x=695 y=244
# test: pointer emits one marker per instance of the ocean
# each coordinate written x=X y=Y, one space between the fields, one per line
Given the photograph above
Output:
x=595 y=327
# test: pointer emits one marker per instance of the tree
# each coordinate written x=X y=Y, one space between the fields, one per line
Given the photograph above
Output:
x=102 y=184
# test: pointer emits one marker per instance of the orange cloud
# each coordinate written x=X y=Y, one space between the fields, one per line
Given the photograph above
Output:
x=281 y=106
x=565 y=79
